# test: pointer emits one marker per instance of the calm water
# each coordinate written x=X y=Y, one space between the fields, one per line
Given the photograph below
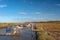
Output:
x=25 y=35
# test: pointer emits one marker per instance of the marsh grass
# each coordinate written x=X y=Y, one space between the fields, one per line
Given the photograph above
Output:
x=44 y=36
x=48 y=26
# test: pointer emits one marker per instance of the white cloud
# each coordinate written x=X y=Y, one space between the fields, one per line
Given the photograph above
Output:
x=58 y=4
x=22 y=13
x=34 y=20
x=28 y=2
x=44 y=14
x=50 y=14
x=36 y=13
x=3 y=6
x=31 y=2
x=43 y=19
x=56 y=19
x=24 y=1
x=38 y=19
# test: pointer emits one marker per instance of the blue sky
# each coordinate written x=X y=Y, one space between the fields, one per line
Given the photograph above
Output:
x=29 y=10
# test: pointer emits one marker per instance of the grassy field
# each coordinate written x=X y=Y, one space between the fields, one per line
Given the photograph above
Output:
x=48 y=30
x=3 y=25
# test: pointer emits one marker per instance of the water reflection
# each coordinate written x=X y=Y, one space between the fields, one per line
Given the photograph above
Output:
x=24 y=36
